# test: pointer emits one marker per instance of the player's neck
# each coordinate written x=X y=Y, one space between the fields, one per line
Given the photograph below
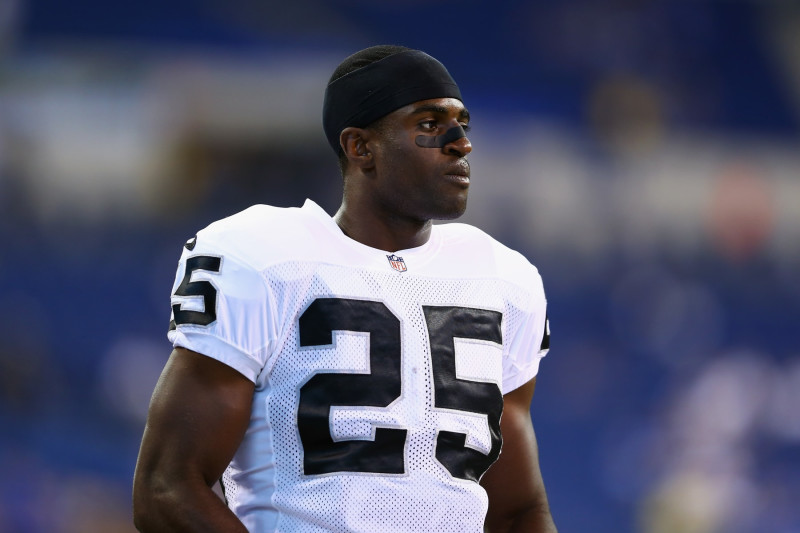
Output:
x=388 y=233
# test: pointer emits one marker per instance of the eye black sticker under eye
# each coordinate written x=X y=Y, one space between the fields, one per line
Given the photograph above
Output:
x=440 y=141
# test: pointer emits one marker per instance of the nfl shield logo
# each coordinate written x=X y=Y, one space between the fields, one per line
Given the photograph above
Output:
x=397 y=262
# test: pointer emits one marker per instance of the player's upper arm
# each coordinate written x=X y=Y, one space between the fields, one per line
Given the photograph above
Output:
x=198 y=415
x=514 y=483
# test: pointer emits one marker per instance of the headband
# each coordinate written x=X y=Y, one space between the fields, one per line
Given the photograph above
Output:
x=371 y=92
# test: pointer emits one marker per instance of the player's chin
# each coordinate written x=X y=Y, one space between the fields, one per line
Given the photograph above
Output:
x=454 y=207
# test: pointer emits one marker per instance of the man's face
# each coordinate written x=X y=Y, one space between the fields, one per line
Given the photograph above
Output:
x=419 y=182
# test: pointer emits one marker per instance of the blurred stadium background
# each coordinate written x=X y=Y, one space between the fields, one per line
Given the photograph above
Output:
x=644 y=154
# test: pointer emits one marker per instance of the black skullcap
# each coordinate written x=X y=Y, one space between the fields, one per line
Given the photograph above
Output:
x=371 y=92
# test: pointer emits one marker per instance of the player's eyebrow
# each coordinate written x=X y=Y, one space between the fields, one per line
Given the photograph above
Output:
x=440 y=109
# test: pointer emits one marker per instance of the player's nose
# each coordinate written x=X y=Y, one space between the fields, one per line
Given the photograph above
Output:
x=459 y=147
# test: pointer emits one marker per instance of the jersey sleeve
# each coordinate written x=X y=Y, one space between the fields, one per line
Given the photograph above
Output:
x=530 y=342
x=220 y=308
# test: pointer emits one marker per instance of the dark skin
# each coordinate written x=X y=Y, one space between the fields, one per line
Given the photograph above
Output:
x=517 y=497
x=201 y=408
x=198 y=415
x=394 y=188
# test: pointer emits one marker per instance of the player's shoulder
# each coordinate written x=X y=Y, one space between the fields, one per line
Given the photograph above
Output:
x=251 y=220
x=480 y=247
x=258 y=235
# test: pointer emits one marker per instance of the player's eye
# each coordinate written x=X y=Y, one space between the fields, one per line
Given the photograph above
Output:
x=429 y=124
x=466 y=127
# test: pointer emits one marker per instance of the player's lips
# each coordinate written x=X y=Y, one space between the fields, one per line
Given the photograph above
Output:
x=459 y=173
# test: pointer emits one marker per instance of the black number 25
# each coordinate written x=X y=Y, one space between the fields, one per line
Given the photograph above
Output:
x=382 y=385
x=379 y=388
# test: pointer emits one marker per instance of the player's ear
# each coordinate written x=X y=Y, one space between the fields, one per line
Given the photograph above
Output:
x=354 y=143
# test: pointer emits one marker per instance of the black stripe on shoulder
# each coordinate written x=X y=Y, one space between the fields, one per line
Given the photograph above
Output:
x=546 y=336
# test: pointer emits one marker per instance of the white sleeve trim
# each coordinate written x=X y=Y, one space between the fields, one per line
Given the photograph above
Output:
x=518 y=379
x=215 y=348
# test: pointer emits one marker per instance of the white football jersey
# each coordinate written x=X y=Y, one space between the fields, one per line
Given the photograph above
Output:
x=378 y=376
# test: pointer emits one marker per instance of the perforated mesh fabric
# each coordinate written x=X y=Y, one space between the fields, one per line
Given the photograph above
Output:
x=426 y=497
x=378 y=392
